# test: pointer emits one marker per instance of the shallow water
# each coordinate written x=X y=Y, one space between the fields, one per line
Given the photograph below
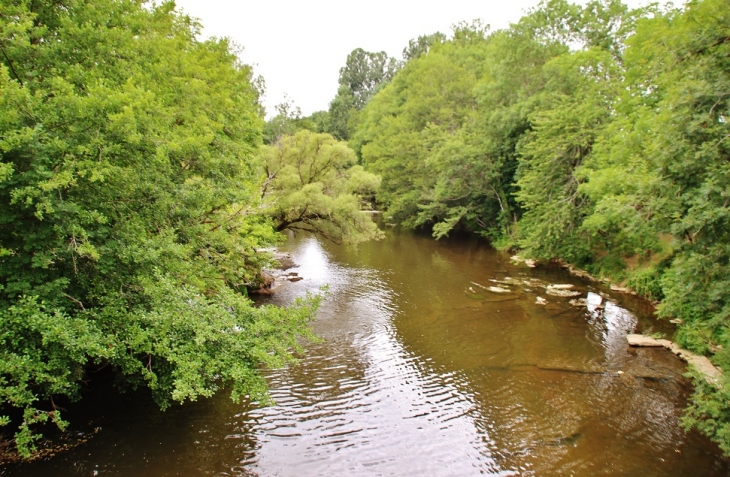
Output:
x=423 y=371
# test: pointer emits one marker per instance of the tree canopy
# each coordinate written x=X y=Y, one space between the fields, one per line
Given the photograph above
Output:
x=362 y=76
x=130 y=216
x=313 y=184
x=591 y=133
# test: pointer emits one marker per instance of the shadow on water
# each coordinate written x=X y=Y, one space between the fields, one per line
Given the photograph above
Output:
x=425 y=370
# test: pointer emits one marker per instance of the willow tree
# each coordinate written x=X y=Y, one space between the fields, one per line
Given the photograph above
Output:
x=128 y=216
x=312 y=183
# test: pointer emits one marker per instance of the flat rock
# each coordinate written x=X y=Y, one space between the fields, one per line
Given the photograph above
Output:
x=498 y=290
x=703 y=366
x=619 y=289
x=701 y=363
x=551 y=290
x=643 y=341
x=492 y=289
x=285 y=261
x=527 y=261
x=582 y=274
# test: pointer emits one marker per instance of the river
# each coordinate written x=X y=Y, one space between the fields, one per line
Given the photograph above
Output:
x=423 y=371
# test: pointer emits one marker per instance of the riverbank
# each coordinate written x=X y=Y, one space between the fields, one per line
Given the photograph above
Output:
x=700 y=363
x=703 y=367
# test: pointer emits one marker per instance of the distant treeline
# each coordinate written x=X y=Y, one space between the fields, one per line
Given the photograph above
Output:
x=594 y=134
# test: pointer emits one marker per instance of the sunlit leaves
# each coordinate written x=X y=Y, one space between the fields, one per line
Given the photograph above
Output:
x=130 y=217
x=312 y=183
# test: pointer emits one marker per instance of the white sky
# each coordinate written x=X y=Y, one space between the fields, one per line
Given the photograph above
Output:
x=299 y=46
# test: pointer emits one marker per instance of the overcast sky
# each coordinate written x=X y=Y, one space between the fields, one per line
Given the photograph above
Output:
x=299 y=46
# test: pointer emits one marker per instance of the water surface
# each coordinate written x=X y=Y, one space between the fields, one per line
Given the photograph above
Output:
x=424 y=371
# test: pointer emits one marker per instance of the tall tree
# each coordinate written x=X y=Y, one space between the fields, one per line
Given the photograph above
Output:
x=420 y=46
x=362 y=76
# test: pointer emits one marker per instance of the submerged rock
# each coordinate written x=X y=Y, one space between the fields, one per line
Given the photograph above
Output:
x=509 y=281
x=541 y=301
x=493 y=289
x=562 y=286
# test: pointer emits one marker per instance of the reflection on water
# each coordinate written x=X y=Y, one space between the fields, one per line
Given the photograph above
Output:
x=437 y=359
x=369 y=406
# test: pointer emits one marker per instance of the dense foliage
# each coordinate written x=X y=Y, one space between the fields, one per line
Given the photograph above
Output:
x=313 y=184
x=130 y=210
x=595 y=134
x=135 y=192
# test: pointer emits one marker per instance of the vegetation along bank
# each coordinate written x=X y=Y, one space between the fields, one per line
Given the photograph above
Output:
x=138 y=181
x=596 y=134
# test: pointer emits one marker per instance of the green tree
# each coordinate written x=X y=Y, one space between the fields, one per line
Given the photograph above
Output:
x=313 y=184
x=288 y=115
x=362 y=76
x=443 y=134
x=576 y=105
x=660 y=180
x=129 y=220
x=364 y=72
x=420 y=46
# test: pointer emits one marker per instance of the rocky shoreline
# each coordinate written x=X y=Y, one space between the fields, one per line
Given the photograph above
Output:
x=272 y=278
x=700 y=363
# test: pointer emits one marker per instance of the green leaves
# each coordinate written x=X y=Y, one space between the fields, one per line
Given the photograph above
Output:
x=130 y=211
x=364 y=74
x=312 y=184
x=594 y=134
x=43 y=349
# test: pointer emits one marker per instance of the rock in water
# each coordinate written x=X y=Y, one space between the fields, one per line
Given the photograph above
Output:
x=556 y=290
x=499 y=290
x=643 y=341
x=700 y=363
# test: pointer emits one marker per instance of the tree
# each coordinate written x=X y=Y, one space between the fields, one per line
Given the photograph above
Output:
x=364 y=72
x=129 y=220
x=285 y=122
x=362 y=76
x=443 y=133
x=421 y=45
x=576 y=106
x=313 y=184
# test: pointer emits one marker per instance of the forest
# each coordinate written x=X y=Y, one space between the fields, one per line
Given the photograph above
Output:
x=595 y=135
x=141 y=186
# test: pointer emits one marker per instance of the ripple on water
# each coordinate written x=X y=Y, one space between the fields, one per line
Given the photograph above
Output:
x=513 y=401
x=366 y=422
x=415 y=376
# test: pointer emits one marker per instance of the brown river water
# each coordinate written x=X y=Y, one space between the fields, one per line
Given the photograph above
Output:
x=422 y=371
